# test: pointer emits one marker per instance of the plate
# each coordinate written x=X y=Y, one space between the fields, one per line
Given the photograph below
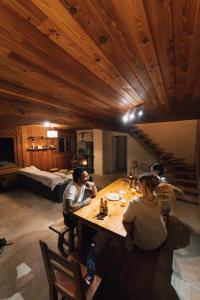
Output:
x=113 y=196
x=122 y=192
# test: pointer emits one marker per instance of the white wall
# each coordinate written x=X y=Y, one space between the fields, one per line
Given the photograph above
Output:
x=108 y=151
x=134 y=152
x=177 y=137
x=84 y=135
x=98 y=151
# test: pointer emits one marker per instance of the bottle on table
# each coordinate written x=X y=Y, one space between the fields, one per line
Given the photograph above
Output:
x=91 y=270
x=101 y=207
x=131 y=180
x=105 y=208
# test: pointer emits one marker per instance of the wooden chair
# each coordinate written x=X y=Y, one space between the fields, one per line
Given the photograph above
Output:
x=66 y=276
x=61 y=229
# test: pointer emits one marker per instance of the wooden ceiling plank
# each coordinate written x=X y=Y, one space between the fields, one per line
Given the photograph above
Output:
x=82 y=48
x=27 y=10
x=184 y=14
x=98 y=25
x=34 y=112
x=131 y=66
x=56 y=100
x=134 y=18
x=192 y=91
x=90 y=21
x=111 y=20
x=70 y=96
x=160 y=21
x=65 y=84
x=42 y=40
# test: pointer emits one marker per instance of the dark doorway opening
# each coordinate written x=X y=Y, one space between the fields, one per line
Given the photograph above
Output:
x=120 y=153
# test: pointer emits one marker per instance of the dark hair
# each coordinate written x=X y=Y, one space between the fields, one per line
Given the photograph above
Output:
x=157 y=167
x=77 y=173
x=151 y=181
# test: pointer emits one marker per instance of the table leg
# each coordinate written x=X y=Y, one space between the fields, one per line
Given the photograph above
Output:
x=120 y=242
x=80 y=238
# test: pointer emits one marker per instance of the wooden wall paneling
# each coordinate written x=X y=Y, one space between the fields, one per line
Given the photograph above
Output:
x=42 y=159
x=45 y=159
x=8 y=128
x=197 y=157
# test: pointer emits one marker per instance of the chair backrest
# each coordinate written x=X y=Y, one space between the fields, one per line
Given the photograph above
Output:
x=64 y=275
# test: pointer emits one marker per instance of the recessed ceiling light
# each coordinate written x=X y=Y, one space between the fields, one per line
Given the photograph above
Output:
x=132 y=116
x=47 y=124
x=140 y=113
x=125 y=118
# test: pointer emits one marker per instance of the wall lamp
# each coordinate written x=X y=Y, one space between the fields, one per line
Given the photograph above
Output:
x=131 y=115
x=50 y=133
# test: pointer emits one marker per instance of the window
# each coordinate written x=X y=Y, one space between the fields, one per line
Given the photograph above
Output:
x=7 y=152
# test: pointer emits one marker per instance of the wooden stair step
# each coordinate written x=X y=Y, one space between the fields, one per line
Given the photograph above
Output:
x=184 y=180
x=188 y=190
x=175 y=160
x=183 y=167
x=181 y=176
x=188 y=198
x=178 y=173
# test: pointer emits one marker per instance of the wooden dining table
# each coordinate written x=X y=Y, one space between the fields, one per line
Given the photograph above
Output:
x=113 y=223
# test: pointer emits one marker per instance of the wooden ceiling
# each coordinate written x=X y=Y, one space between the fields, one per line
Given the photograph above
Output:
x=83 y=63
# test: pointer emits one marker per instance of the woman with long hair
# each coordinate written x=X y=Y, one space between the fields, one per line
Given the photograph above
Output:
x=149 y=229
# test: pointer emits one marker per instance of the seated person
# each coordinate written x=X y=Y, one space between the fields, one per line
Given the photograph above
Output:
x=158 y=170
x=149 y=230
x=73 y=198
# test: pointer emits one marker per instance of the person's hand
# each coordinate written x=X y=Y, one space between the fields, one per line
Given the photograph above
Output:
x=87 y=201
x=90 y=185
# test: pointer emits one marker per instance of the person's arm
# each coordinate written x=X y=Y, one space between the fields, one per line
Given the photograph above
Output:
x=92 y=188
x=94 y=191
x=130 y=213
x=75 y=206
x=72 y=206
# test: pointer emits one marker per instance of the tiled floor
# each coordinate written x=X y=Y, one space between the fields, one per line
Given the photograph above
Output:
x=25 y=218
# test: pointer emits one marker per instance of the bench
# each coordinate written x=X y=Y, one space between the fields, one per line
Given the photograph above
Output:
x=61 y=229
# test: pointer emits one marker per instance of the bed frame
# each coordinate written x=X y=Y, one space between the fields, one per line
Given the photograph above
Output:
x=41 y=189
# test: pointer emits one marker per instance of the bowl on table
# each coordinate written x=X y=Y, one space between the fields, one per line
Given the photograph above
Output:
x=113 y=196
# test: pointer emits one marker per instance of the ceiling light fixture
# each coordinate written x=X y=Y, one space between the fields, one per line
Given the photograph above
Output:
x=131 y=115
x=52 y=133
x=125 y=118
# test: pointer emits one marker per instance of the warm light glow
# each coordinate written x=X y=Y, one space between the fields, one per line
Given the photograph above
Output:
x=125 y=118
x=52 y=133
x=83 y=162
x=140 y=113
x=47 y=124
x=132 y=116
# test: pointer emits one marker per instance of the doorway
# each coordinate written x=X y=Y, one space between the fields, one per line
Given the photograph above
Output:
x=120 y=153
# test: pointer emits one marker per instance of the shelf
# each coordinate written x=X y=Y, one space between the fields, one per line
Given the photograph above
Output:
x=43 y=149
x=36 y=137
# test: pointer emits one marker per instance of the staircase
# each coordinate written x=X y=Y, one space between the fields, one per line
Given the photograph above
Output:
x=177 y=170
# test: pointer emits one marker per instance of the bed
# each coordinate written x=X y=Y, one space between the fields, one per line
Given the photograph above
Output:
x=46 y=184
